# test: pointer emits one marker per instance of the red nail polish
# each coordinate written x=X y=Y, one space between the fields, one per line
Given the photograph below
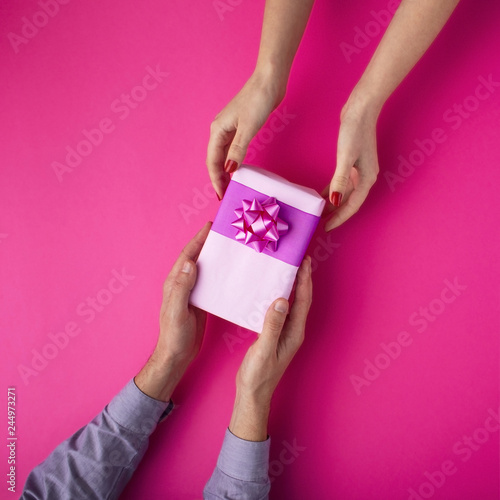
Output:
x=231 y=166
x=336 y=198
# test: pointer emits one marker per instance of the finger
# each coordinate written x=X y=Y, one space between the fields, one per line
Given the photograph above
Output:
x=351 y=185
x=273 y=324
x=325 y=192
x=329 y=208
x=351 y=205
x=182 y=285
x=301 y=304
x=340 y=180
x=350 y=188
x=193 y=248
x=239 y=145
x=191 y=251
x=216 y=154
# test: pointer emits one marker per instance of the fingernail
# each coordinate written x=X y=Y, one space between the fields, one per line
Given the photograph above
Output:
x=281 y=306
x=218 y=196
x=187 y=267
x=336 y=198
x=231 y=166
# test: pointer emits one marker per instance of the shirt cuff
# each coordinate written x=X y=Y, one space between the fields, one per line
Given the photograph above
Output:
x=136 y=411
x=244 y=460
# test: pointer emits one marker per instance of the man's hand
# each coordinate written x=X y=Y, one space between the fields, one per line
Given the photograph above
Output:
x=181 y=326
x=267 y=359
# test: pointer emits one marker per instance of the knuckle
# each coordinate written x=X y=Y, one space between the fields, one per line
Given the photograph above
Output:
x=237 y=149
x=214 y=127
x=275 y=323
x=260 y=354
x=178 y=284
x=341 y=180
x=371 y=177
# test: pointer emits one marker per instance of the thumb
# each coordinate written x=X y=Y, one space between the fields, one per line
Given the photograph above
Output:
x=238 y=149
x=183 y=284
x=273 y=324
x=340 y=180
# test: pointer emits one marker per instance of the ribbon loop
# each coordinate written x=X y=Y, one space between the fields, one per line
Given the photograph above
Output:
x=258 y=224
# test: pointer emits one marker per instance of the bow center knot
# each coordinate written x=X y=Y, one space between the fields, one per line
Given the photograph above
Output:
x=258 y=224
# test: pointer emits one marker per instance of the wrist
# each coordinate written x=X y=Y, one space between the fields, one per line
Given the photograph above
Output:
x=253 y=399
x=273 y=77
x=250 y=417
x=159 y=377
x=363 y=103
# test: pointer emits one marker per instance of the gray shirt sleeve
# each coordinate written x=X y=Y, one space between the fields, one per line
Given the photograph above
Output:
x=99 y=459
x=241 y=471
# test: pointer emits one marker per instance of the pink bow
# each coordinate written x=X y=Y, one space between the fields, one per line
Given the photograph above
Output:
x=258 y=224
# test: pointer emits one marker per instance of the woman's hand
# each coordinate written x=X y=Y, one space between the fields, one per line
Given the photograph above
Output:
x=414 y=27
x=357 y=162
x=237 y=124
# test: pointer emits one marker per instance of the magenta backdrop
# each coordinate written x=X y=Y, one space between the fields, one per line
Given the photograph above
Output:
x=368 y=417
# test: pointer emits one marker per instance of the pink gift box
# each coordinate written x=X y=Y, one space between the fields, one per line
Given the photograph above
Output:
x=255 y=246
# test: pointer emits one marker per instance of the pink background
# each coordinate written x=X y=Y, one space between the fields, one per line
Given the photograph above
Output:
x=121 y=208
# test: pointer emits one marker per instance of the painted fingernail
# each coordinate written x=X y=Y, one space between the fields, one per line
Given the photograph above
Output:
x=231 y=166
x=336 y=198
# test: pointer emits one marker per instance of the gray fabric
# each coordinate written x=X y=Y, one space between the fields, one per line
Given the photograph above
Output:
x=99 y=459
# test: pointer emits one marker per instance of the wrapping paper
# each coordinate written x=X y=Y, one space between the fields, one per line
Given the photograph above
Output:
x=255 y=246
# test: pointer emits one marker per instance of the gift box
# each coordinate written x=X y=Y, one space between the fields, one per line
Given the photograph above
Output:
x=255 y=246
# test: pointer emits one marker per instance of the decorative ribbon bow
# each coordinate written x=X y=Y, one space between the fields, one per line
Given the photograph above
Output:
x=258 y=224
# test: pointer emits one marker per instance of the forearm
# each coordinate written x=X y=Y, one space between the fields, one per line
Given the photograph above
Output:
x=100 y=458
x=250 y=417
x=282 y=29
x=414 y=27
